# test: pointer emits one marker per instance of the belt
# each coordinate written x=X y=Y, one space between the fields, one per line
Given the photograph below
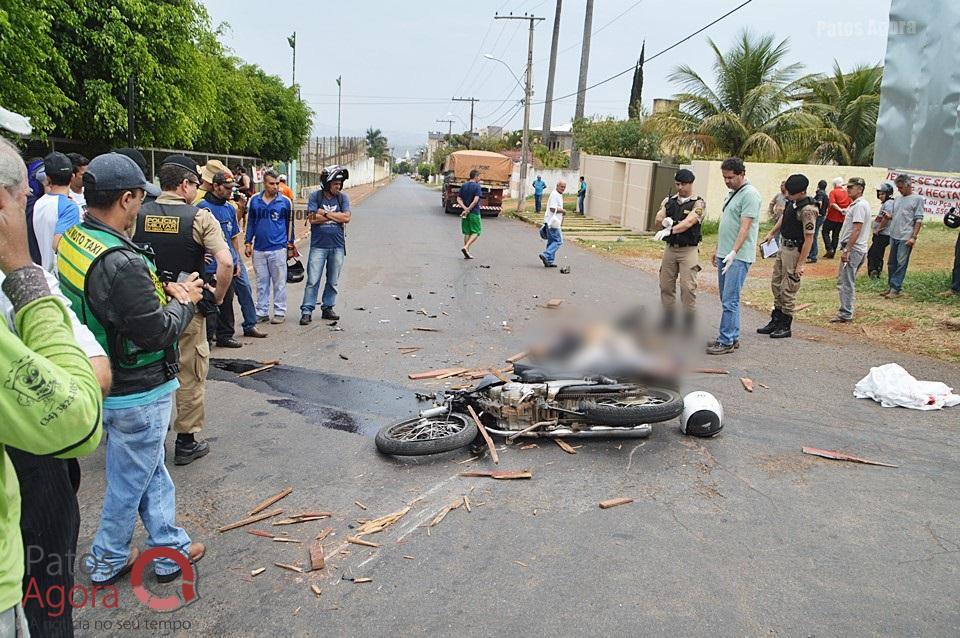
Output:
x=791 y=243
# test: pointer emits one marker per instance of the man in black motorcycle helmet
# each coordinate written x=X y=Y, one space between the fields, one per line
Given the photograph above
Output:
x=329 y=213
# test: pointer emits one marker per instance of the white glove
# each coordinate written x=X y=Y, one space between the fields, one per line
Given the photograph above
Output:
x=728 y=261
x=667 y=222
x=662 y=235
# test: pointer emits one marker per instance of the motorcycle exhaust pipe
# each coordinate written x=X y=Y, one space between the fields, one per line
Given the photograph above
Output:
x=593 y=432
x=434 y=412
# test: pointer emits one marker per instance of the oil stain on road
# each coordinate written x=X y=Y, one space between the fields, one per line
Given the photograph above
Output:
x=349 y=404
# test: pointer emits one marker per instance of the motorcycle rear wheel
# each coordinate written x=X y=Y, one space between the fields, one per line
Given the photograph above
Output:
x=420 y=436
x=652 y=405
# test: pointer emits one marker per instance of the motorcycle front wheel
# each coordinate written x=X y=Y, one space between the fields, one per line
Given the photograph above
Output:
x=651 y=405
x=420 y=436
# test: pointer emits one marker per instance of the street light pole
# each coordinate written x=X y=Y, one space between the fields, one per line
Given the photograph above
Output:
x=528 y=92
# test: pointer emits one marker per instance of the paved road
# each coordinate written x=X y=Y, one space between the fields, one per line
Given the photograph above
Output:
x=740 y=535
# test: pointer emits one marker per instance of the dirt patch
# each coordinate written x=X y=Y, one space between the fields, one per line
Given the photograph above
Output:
x=794 y=465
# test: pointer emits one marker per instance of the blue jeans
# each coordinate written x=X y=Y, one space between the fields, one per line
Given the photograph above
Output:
x=580 y=198
x=137 y=482
x=815 y=249
x=320 y=260
x=244 y=294
x=537 y=201
x=554 y=241
x=730 y=285
x=897 y=264
x=270 y=266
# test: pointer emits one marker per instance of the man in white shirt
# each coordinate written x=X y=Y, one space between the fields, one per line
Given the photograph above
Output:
x=553 y=220
x=853 y=239
x=55 y=212
x=76 y=183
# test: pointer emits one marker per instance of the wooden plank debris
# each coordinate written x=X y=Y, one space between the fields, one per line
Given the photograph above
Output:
x=359 y=541
x=316 y=590
x=614 y=502
x=518 y=356
x=323 y=535
x=261 y=533
x=486 y=436
x=358 y=581
x=747 y=383
x=499 y=375
x=840 y=456
x=565 y=446
x=502 y=475
x=256 y=572
x=443 y=513
x=302 y=518
x=427 y=329
x=379 y=524
x=267 y=502
x=554 y=303
x=360 y=505
x=709 y=371
x=466 y=503
x=257 y=370
x=454 y=372
x=293 y=568
x=284 y=539
x=250 y=519
x=317 y=558
x=433 y=374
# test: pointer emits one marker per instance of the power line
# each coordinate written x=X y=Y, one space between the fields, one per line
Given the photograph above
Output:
x=654 y=56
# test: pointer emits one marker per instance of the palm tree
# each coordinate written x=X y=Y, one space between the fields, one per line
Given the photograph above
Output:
x=847 y=106
x=377 y=145
x=745 y=113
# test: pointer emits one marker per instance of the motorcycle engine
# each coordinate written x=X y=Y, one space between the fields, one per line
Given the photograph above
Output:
x=515 y=405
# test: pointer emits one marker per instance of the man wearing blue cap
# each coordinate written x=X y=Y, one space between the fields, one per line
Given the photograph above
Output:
x=113 y=286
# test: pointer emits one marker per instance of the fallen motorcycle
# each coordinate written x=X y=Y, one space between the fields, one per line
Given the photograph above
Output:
x=535 y=403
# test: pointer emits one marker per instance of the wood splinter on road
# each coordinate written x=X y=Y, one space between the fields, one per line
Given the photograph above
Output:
x=267 y=502
x=256 y=572
x=359 y=541
x=317 y=558
x=257 y=370
x=747 y=383
x=503 y=475
x=486 y=436
x=840 y=456
x=316 y=590
x=565 y=446
x=292 y=568
x=249 y=520
x=518 y=356
x=614 y=502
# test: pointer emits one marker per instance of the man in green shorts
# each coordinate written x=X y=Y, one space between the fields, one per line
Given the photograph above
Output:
x=469 y=200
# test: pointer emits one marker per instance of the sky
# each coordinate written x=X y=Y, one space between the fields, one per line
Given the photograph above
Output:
x=402 y=62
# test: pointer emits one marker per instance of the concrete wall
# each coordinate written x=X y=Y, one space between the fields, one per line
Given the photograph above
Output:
x=362 y=171
x=618 y=189
x=550 y=175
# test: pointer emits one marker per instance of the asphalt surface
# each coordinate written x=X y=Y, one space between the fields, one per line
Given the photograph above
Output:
x=738 y=535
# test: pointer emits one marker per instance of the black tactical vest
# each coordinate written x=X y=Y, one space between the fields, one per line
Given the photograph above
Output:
x=679 y=212
x=792 y=227
x=168 y=230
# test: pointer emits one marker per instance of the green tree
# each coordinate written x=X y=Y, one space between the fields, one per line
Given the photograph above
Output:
x=744 y=112
x=403 y=167
x=425 y=170
x=377 y=145
x=635 y=105
x=286 y=119
x=32 y=70
x=847 y=106
x=551 y=158
x=617 y=138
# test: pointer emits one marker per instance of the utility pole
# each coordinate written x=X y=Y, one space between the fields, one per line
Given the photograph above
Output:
x=339 y=89
x=449 y=128
x=528 y=92
x=472 y=101
x=548 y=100
x=582 y=84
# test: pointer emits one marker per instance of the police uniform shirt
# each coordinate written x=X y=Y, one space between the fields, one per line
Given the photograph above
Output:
x=699 y=211
x=206 y=228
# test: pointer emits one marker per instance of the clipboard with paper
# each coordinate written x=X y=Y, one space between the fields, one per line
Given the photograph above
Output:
x=769 y=248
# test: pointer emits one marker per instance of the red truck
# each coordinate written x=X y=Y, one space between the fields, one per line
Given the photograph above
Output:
x=495 y=171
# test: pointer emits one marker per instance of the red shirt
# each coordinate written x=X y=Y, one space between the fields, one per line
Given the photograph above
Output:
x=839 y=197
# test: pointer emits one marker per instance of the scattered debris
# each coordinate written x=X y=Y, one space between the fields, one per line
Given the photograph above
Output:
x=360 y=505
x=747 y=383
x=359 y=308
x=521 y=564
x=432 y=374
x=486 y=436
x=764 y=386
x=304 y=517
x=518 y=356
x=499 y=375
x=344 y=357
x=284 y=539
x=256 y=572
x=502 y=475
x=409 y=295
x=249 y=520
x=443 y=513
x=427 y=329
x=565 y=446
x=382 y=523
x=614 y=502
x=409 y=350
x=293 y=568
x=455 y=372
x=359 y=541
x=424 y=397
x=317 y=558
x=323 y=535
x=565 y=270
x=256 y=370
x=316 y=590
x=271 y=362
x=267 y=502
x=409 y=557
x=261 y=533
x=483 y=266
x=840 y=456
x=554 y=303
x=709 y=371
x=361 y=580
x=384 y=321
x=472 y=458
x=466 y=503
x=529 y=446
x=397 y=297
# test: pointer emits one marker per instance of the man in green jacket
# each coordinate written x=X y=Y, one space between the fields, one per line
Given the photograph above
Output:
x=50 y=401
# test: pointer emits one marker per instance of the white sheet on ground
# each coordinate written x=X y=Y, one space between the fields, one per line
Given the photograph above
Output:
x=892 y=386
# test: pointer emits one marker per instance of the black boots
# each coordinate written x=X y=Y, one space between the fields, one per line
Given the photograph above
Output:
x=775 y=318
x=783 y=330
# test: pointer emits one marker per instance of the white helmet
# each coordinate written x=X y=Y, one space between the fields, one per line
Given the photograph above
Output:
x=702 y=415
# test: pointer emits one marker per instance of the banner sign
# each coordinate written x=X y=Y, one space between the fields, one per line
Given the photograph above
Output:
x=940 y=193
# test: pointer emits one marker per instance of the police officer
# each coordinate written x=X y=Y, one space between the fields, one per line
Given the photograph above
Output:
x=680 y=216
x=179 y=234
x=797 y=227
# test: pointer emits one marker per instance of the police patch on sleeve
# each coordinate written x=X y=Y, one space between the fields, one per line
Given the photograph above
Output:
x=809 y=226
